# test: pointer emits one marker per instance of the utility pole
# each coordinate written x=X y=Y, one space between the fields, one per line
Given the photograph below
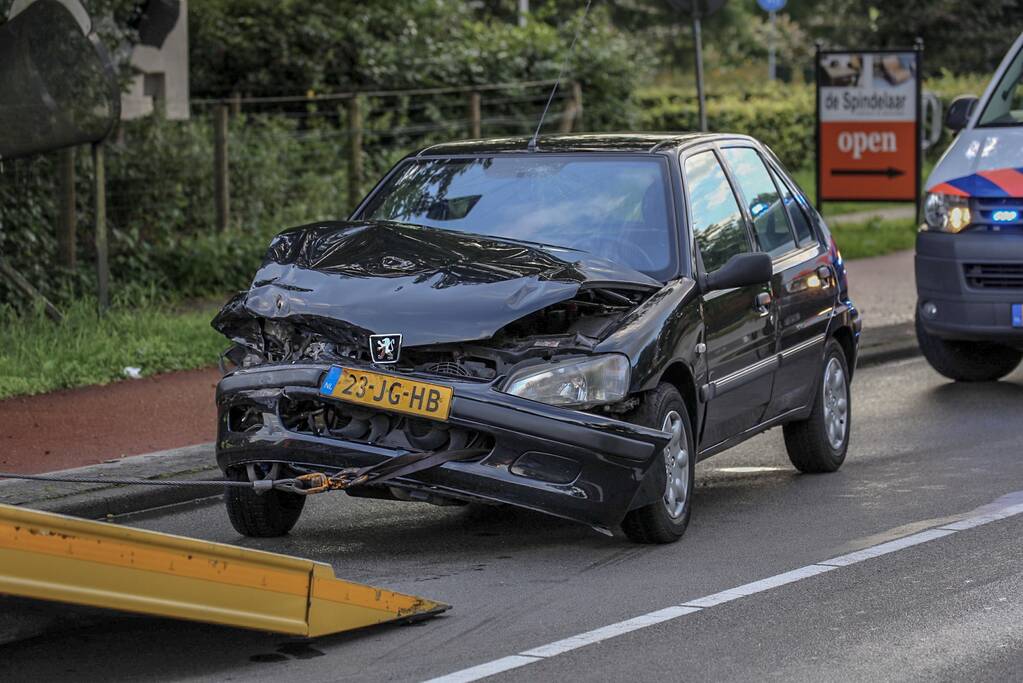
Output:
x=698 y=47
x=523 y=11
x=772 y=71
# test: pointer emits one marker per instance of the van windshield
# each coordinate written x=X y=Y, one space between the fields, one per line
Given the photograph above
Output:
x=615 y=208
x=1005 y=108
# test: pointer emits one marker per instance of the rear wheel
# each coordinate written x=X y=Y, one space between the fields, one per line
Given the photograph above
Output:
x=666 y=520
x=818 y=443
x=967 y=361
x=266 y=514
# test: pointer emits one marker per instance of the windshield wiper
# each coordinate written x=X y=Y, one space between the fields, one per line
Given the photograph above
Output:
x=510 y=239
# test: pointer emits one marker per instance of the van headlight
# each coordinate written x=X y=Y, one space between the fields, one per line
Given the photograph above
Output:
x=946 y=212
x=576 y=382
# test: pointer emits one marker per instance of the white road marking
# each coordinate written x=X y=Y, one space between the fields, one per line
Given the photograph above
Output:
x=971 y=522
x=605 y=632
x=486 y=669
x=760 y=586
x=885 y=548
x=984 y=515
x=747 y=470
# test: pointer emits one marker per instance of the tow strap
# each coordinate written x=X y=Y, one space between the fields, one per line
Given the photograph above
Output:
x=305 y=484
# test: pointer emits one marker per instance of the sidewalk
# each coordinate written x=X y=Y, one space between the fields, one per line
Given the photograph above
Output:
x=95 y=424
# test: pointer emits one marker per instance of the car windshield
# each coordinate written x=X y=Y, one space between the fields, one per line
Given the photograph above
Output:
x=612 y=207
x=1005 y=108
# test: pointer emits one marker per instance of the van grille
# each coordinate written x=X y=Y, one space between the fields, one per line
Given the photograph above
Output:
x=994 y=275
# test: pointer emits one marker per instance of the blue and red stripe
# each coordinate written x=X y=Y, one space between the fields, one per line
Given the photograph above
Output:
x=1000 y=182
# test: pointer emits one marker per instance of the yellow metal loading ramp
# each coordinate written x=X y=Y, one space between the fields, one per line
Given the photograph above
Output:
x=53 y=557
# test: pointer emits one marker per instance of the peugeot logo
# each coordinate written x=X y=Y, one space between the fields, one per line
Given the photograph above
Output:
x=384 y=348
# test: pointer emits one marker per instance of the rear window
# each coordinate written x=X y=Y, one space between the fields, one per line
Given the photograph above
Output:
x=617 y=208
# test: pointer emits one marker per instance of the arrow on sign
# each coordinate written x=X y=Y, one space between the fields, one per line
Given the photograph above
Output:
x=891 y=171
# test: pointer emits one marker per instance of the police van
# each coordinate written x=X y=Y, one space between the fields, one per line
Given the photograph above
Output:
x=969 y=251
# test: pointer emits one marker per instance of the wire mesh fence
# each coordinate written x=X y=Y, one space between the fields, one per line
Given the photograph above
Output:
x=245 y=165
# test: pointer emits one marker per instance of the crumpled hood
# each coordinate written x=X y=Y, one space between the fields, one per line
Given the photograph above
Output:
x=430 y=285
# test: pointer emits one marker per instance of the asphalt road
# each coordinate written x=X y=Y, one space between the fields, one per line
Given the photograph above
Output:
x=924 y=454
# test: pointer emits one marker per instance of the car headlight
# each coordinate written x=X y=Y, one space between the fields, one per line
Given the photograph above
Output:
x=576 y=382
x=946 y=212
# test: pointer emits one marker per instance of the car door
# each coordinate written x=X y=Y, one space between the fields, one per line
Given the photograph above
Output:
x=739 y=328
x=803 y=286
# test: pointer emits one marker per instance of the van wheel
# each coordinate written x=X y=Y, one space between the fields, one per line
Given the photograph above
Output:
x=262 y=515
x=666 y=520
x=966 y=361
x=819 y=443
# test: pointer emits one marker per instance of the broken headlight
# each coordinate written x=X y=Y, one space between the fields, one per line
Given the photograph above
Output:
x=576 y=382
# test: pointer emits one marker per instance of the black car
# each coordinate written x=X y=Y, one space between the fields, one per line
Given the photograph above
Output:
x=568 y=328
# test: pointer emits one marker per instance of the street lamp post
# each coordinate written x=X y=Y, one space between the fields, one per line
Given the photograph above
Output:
x=771 y=7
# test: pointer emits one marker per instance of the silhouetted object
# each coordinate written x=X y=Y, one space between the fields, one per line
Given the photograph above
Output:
x=58 y=87
x=155 y=21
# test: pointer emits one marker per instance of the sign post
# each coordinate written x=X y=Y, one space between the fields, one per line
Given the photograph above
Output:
x=771 y=7
x=699 y=9
x=868 y=125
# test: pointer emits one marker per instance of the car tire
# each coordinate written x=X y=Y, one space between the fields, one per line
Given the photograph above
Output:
x=666 y=520
x=967 y=361
x=261 y=515
x=818 y=444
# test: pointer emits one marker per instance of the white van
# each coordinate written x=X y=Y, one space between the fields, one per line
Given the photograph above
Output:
x=969 y=251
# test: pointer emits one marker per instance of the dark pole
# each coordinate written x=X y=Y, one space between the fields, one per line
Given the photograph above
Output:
x=918 y=49
x=102 y=257
x=221 y=180
x=698 y=47
x=817 y=124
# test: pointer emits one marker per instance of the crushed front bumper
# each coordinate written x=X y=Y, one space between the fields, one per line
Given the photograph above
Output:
x=973 y=279
x=562 y=462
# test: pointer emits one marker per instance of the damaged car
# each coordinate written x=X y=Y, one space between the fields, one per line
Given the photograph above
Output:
x=567 y=326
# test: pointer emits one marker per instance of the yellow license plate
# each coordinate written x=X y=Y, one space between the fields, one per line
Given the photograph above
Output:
x=388 y=392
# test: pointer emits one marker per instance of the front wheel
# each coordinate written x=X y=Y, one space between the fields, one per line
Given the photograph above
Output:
x=819 y=443
x=666 y=520
x=966 y=361
x=265 y=514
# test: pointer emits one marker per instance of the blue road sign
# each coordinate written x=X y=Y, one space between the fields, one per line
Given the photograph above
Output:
x=771 y=5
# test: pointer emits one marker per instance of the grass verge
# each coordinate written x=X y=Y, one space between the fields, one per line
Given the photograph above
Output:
x=873 y=238
x=38 y=355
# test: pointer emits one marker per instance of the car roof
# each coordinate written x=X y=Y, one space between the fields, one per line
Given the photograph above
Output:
x=585 y=142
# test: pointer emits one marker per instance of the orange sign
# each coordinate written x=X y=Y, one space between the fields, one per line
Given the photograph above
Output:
x=867 y=126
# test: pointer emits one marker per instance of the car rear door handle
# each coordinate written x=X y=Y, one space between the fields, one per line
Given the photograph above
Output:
x=763 y=305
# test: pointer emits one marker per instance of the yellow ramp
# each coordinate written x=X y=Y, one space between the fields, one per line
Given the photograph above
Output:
x=53 y=557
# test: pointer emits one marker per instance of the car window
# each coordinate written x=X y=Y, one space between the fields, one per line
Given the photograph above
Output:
x=770 y=221
x=615 y=208
x=798 y=217
x=1005 y=108
x=716 y=219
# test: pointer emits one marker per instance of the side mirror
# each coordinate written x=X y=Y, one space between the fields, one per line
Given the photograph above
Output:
x=959 y=112
x=742 y=270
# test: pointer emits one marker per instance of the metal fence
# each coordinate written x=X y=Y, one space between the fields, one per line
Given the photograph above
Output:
x=242 y=162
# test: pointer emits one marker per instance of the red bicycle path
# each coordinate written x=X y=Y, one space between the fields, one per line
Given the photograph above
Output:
x=89 y=425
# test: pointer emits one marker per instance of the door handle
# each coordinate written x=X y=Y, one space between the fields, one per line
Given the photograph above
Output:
x=763 y=303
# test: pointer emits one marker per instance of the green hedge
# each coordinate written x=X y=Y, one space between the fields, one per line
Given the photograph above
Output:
x=782 y=116
x=784 y=120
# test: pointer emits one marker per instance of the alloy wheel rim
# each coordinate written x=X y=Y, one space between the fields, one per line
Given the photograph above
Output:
x=676 y=465
x=836 y=403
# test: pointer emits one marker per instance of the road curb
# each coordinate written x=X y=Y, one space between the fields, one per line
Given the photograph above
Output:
x=97 y=501
x=887 y=343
